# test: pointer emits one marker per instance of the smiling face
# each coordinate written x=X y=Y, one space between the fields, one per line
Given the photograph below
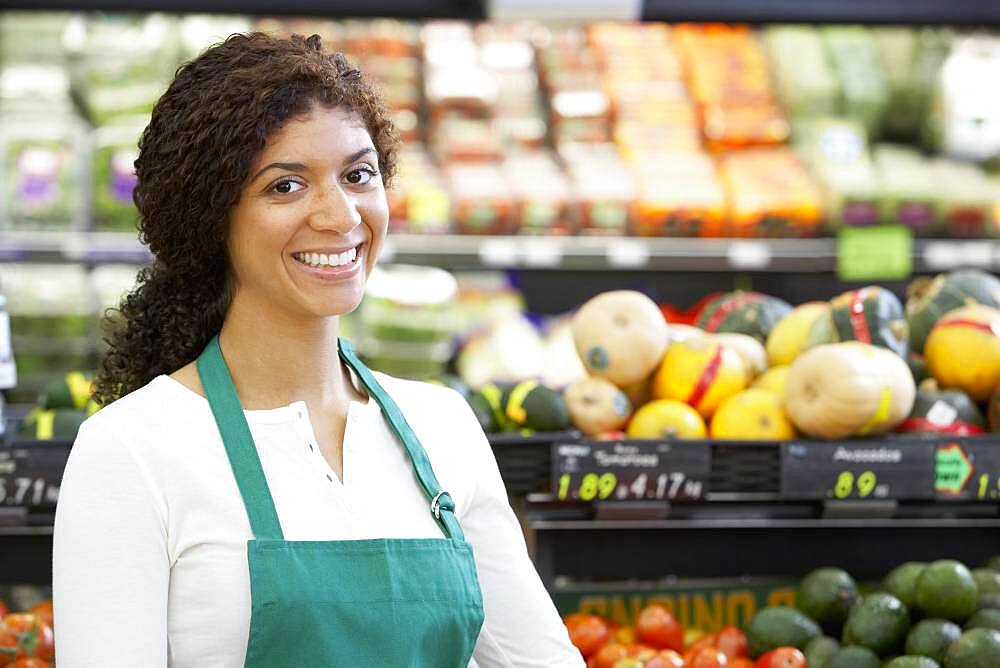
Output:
x=312 y=218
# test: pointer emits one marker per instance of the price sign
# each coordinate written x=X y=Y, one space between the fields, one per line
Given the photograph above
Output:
x=631 y=470
x=874 y=470
x=883 y=252
x=968 y=470
x=30 y=476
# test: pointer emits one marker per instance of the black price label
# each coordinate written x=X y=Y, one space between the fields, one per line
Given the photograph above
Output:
x=631 y=470
x=30 y=477
x=873 y=470
x=968 y=470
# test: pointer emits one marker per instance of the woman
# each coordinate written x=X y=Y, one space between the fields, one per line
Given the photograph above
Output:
x=311 y=528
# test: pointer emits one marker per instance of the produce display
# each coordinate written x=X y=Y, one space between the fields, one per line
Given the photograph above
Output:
x=936 y=615
x=758 y=369
x=26 y=638
x=608 y=128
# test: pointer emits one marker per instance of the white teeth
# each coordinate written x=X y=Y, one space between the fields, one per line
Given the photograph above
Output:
x=324 y=260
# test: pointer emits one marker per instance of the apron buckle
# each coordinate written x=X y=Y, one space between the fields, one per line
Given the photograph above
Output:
x=437 y=502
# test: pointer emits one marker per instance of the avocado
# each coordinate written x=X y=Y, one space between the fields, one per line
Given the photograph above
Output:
x=827 y=595
x=978 y=648
x=777 y=627
x=485 y=403
x=529 y=405
x=987 y=580
x=912 y=662
x=984 y=619
x=947 y=590
x=854 y=657
x=902 y=582
x=879 y=622
x=985 y=601
x=819 y=650
x=932 y=638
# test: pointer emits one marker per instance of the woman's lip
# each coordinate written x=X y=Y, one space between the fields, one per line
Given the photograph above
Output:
x=334 y=273
x=329 y=251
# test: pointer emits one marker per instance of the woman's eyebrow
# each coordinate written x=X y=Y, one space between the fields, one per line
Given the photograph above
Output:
x=289 y=166
x=358 y=155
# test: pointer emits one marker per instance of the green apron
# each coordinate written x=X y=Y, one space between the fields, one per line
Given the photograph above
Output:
x=381 y=602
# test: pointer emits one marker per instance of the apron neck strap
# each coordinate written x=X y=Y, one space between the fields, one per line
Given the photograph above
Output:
x=442 y=506
x=240 y=448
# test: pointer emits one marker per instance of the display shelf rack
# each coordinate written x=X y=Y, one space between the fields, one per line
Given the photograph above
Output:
x=581 y=253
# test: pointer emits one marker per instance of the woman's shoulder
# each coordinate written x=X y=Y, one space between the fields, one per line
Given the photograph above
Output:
x=422 y=398
x=162 y=406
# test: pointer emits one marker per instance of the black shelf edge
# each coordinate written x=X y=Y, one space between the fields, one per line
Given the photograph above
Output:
x=762 y=524
x=545 y=253
x=955 y=12
x=402 y=9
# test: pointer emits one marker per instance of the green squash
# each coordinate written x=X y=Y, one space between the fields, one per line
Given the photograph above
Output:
x=750 y=313
x=937 y=411
x=534 y=407
x=870 y=315
x=928 y=299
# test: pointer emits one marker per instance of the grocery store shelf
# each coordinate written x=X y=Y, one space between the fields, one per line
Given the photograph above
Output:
x=404 y=9
x=26 y=555
x=607 y=550
x=958 y=12
x=965 y=12
x=455 y=251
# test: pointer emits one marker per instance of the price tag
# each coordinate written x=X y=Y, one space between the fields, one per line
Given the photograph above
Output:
x=30 y=476
x=968 y=470
x=749 y=255
x=883 y=252
x=875 y=470
x=631 y=470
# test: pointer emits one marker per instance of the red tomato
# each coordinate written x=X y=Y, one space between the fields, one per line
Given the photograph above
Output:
x=34 y=635
x=607 y=656
x=4 y=610
x=707 y=657
x=741 y=662
x=589 y=634
x=44 y=612
x=8 y=645
x=658 y=628
x=665 y=658
x=30 y=662
x=783 y=657
x=732 y=642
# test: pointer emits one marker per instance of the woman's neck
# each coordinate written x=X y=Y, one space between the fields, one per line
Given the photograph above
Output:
x=276 y=359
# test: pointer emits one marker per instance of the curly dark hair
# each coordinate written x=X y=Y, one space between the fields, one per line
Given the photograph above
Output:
x=194 y=160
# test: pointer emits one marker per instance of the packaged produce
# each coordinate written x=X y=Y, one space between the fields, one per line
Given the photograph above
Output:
x=32 y=36
x=419 y=201
x=482 y=202
x=836 y=152
x=43 y=170
x=839 y=390
x=963 y=350
x=603 y=185
x=541 y=193
x=26 y=88
x=911 y=59
x=197 y=32
x=769 y=193
x=679 y=194
x=803 y=78
x=620 y=336
x=968 y=199
x=965 y=119
x=855 y=58
x=120 y=64
x=909 y=192
x=115 y=151
x=410 y=304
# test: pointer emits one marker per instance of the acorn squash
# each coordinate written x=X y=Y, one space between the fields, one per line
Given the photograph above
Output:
x=848 y=389
x=755 y=414
x=701 y=372
x=963 y=351
x=937 y=411
x=620 y=336
x=666 y=418
x=870 y=315
x=739 y=312
x=597 y=406
x=791 y=335
x=928 y=299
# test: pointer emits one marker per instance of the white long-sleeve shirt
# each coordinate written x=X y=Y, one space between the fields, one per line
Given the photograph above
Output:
x=150 y=548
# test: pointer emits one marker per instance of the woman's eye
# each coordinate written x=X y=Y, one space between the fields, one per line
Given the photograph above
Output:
x=361 y=176
x=287 y=187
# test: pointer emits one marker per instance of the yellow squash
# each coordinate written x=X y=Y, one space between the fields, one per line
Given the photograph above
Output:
x=665 y=418
x=755 y=414
x=963 y=351
x=701 y=372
